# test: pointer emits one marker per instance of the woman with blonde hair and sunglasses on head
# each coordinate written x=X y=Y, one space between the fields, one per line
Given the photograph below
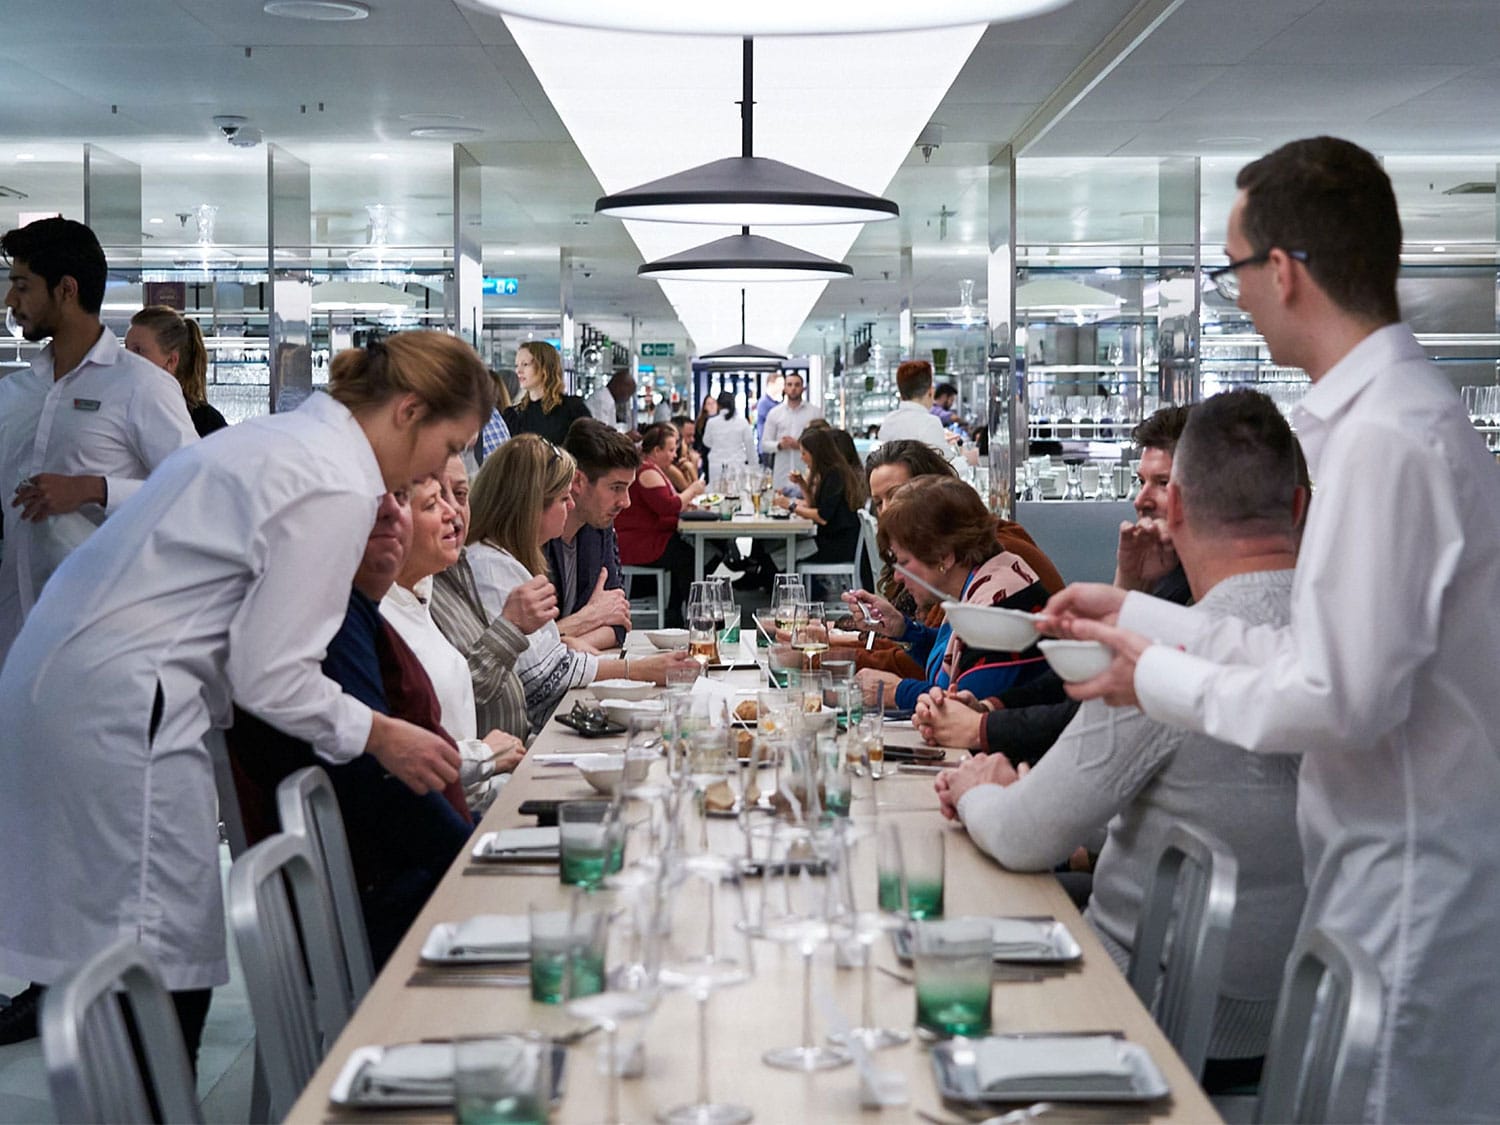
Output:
x=542 y=407
x=175 y=344
x=221 y=581
x=521 y=499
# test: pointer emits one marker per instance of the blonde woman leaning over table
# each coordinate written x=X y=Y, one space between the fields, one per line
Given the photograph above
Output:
x=223 y=579
x=437 y=535
x=521 y=499
x=491 y=645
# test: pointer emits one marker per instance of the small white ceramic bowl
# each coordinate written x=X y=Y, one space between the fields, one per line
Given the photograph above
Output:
x=992 y=628
x=621 y=710
x=1076 y=661
x=668 y=638
x=602 y=771
x=621 y=689
x=819 y=720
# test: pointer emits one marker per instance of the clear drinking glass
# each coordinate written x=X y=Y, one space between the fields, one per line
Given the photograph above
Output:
x=953 y=961
x=502 y=1079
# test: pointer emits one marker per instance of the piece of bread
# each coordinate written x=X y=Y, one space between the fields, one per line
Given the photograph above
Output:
x=747 y=710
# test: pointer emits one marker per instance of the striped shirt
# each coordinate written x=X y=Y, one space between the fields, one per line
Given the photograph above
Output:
x=491 y=647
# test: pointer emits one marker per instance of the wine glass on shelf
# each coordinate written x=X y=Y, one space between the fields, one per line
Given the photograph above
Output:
x=800 y=915
x=702 y=969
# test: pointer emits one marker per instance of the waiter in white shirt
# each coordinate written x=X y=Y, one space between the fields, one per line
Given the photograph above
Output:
x=611 y=402
x=223 y=579
x=913 y=420
x=1385 y=680
x=83 y=427
x=783 y=430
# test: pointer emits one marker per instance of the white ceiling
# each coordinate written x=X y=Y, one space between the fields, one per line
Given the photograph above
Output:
x=1224 y=79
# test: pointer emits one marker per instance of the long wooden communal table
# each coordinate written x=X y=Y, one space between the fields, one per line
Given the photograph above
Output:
x=788 y=530
x=750 y=1018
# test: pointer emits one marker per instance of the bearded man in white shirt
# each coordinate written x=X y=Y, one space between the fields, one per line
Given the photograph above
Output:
x=783 y=431
x=83 y=428
x=1385 y=678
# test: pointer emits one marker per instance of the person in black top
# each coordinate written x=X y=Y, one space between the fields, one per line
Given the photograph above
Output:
x=542 y=408
x=175 y=344
x=835 y=493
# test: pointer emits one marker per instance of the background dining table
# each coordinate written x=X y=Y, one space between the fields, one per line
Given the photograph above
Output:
x=764 y=1012
x=788 y=530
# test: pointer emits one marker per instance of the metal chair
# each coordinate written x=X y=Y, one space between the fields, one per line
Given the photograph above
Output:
x=663 y=578
x=1323 y=1041
x=308 y=807
x=93 y=1068
x=299 y=994
x=1177 y=957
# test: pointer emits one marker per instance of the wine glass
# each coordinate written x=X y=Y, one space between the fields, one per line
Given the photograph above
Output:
x=810 y=634
x=802 y=917
x=788 y=593
x=703 y=969
x=864 y=926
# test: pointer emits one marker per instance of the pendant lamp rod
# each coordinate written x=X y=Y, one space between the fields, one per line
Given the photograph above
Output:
x=747 y=100
x=742 y=301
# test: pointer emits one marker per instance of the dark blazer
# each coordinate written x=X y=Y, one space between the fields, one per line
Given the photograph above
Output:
x=596 y=549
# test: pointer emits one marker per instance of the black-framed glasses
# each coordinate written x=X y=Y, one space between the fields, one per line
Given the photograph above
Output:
x=1226 y=278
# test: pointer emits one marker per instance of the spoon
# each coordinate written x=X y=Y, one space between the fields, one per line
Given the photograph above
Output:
x=940 y=595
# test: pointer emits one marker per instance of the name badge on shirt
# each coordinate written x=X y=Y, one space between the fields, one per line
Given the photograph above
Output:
x=86 y=404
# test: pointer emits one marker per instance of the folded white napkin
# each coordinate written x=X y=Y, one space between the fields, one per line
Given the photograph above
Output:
x=1066 y=1064
x=716 y=690
x=492 y=933
x=418 y=1067
x=514 y=841
x=1019 y=937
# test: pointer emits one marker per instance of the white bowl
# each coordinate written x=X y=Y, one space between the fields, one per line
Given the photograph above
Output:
x=620 y=710
x=819 y=720
x=1076 y=661
x=991 y=627
x=602 y=771
x=621 y=689
x=668 y=638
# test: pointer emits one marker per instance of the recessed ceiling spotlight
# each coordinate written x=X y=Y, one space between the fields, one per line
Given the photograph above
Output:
x=772 y=17
x=435 y=118
x=508 y=253
x=446 y=132
x=378 y=156
x=25 y=156
x=321 y=11
x=1439 y=249
x=156 y=220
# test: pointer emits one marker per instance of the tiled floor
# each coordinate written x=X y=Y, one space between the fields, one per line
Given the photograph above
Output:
x=225 y=1060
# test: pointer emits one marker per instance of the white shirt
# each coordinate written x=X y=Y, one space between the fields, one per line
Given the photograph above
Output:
x=730 y=443
x=911 y=421
x=784 y=421
x=224 y=578
x=1386 y=682
x=408 y=613
x=115 y=416
x=602 y=406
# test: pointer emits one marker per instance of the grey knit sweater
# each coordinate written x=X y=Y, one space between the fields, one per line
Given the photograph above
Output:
x=1115 y=766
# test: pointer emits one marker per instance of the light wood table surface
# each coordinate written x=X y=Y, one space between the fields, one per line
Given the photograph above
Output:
x=765 y=1012
x=788 y=530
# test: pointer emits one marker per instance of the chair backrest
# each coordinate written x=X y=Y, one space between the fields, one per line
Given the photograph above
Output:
x=1177 y=957
x=868 y=543
x=94 y=1069
x=1324 y=1038
x=284 y=928
x=308 y=807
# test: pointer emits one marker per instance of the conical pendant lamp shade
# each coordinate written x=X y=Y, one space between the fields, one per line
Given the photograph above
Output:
x=745 y=258
x=743 y=354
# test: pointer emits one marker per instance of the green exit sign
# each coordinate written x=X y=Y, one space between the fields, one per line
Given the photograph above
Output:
x=658 y=349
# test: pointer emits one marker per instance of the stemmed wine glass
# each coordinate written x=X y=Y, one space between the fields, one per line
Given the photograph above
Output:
x=864 y=927
x=703 y=969
x=801 y=916
x=810 y=635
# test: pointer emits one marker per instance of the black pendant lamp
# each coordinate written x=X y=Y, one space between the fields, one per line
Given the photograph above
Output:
x=742 y=354
x=745 y=258
x=747 y=190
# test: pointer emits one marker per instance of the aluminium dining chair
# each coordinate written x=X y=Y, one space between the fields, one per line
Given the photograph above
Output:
x=308 y=806
x=1177 y=956
x=1324 y=1037
x=96 y=1070
x=850 y=571
x=284 y=926
x=663 y=578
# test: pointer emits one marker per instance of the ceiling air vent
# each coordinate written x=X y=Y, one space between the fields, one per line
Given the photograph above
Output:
x=12 y=193
x=1472 y=187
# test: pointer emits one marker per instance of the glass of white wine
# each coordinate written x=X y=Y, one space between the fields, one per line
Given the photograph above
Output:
x=810 y=635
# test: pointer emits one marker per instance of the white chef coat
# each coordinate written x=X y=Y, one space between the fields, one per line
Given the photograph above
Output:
x=225 y=577
x=911 y=421
x=409 y=614
x=115 y=416
x=730 y=443
x=1386 y=682
x=781 y=422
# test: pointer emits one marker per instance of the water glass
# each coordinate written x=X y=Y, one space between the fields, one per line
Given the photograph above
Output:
x=909 y=869
x=833 y=777
x=953 y=962
x=783 y=659
x=567 y=950
x=872 y=742
x=502 y=1079
x=593 y=842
